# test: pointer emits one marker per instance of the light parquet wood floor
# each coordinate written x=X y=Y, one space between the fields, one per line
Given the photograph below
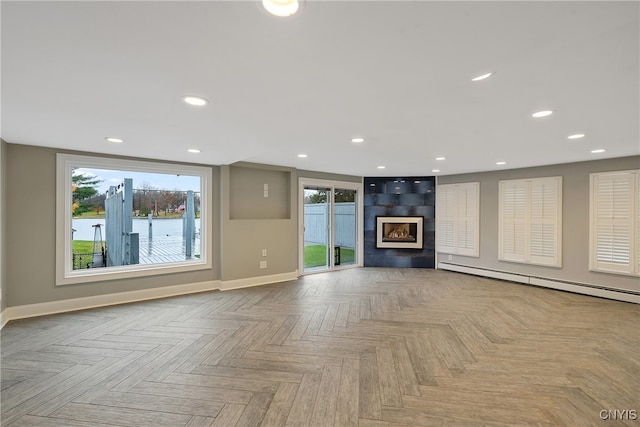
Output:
x=368 y=347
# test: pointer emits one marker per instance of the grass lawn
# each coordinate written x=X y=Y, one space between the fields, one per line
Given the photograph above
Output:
x=89 y=215
x=316 y=256
x=82 y=247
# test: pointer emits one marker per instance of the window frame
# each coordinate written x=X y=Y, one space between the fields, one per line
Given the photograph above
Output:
x=633 y=267
x=65 y=275
x=459 y=193
x=526 y=221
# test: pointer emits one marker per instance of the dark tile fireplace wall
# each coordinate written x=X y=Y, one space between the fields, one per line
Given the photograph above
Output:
x=408 y=196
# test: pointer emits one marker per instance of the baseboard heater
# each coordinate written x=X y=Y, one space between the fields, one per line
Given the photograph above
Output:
x=579 y=288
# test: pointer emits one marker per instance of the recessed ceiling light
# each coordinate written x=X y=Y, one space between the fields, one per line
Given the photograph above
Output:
x=543 y=113
x=116 y=140
x=440 y=158
x=194 y=100
x=381 y=167
x=302 y=156
x=482 y=77
x=282 y=8
x=576 y=136
x=501 y=163
x=194 y=150
x=417 y=182
x=372 y=185
x=599 y=150
x=435 y=170
x=356 y=140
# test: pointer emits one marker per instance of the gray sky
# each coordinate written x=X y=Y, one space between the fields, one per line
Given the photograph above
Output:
x=156 y=180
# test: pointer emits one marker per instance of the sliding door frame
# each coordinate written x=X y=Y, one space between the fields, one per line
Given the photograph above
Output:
x=331 y=185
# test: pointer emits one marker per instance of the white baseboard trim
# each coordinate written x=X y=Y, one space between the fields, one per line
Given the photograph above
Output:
x=228 y=285
x=587 y=290
x=485 y=273
x=578 y=288
x=74 y=304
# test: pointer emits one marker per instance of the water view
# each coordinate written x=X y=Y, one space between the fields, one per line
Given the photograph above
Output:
x=161 y=227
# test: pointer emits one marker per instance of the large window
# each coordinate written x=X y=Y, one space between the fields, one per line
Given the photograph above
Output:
x=530 y=219
x=615 y=222
x=124 y=218
x=458 y=219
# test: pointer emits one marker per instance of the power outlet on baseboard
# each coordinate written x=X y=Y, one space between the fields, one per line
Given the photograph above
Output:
x=263 y=264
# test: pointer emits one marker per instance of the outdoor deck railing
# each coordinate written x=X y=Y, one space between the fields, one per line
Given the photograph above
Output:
x=85 y=260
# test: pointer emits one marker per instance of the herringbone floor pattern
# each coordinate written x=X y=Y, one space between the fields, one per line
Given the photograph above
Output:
x=367 y=347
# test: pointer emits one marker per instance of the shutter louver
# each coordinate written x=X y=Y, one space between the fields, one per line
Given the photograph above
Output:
x=615 y=221
x=445 y=218
x=513 y=222
x=467 y=218
x=543 y=230
x=457 y=218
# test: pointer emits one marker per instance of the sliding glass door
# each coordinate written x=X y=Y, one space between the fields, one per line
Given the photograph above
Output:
x=345 y=230
x=330 y=227
x=317 y=228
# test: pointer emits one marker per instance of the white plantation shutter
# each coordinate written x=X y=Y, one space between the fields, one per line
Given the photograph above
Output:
x=445 y=217
x=468 y=219
x=544 y=221
x=513 y=221
x=615 y=222
x=458 y=218
x=530 y=216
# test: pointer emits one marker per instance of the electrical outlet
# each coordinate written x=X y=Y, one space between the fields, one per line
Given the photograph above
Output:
x=450 y=257
x=266 y=193
x=264 y=252
x=263 y=264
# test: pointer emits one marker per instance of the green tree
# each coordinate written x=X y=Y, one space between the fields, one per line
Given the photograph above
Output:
x=344 y=196
x=83 y=187
x=318 y=197
x=339 y=197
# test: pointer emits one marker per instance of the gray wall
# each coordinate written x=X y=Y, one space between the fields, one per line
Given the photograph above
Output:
x=30 y=220
x=327 y=176
x=251 y=222
x=3 y=228
x=575 y=222
x=246 y=190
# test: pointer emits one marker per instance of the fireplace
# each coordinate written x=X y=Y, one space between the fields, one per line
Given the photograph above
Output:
x=399 y=232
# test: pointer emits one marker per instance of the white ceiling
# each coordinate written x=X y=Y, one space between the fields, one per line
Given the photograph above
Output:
x=396 y=73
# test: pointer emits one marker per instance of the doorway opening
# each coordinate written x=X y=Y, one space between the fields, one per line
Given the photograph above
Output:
x=331 y=230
